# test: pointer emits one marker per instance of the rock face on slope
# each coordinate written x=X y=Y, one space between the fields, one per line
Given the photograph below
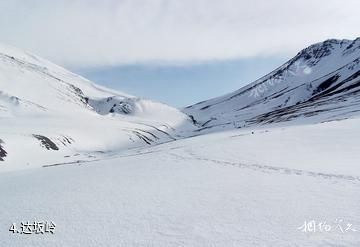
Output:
x=48 y=113
x=3 y=153
x=321 y=83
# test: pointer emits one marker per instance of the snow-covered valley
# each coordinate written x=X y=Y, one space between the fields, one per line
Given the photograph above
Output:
x=228 y=189
x=112 y=169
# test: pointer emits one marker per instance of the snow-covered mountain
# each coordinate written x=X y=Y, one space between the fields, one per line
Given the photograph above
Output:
x=321 y=83
x=105 y=184
x=49 y=115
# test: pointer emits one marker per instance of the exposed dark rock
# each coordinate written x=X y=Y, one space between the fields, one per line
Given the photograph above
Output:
x=114 y=104
x=79 y=93
x=193 y=119
x=65 y=140
x=143 y=137
x=327 y=83
x=46 y=142
x=121 y=107
x=3 y=153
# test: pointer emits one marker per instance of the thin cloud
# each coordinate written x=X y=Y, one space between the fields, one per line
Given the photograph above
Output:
x=94 y=33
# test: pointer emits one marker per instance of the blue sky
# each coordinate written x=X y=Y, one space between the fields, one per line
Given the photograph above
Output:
x=182 y=85
x=134 y=45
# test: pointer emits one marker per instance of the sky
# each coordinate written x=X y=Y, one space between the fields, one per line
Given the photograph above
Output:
x=182 y=85
x=120 y=42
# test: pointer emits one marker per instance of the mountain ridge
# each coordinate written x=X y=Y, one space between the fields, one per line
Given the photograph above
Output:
x=58 y=116
x=300 y=79
x=53 y=115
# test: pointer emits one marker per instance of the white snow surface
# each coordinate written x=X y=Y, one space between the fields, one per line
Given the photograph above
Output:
x=227 y=189
x=111 y=169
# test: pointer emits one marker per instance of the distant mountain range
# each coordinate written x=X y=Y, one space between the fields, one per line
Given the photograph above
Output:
x=50 y=115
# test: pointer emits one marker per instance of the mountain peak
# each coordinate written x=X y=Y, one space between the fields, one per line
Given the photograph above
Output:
x=316 y=52
x=321 y=82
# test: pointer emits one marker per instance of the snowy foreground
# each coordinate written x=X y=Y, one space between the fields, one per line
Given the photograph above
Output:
x=234 y=188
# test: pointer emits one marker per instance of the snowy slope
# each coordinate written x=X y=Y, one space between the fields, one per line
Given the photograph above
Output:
x=49 y=115
x=321 y=83
x=111 y=169
x=225 y=189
